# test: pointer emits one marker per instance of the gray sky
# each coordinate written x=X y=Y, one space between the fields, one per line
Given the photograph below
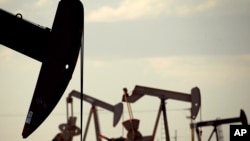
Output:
x=167 y=44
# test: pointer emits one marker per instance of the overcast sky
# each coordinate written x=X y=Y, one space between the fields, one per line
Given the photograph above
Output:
x=166 y=44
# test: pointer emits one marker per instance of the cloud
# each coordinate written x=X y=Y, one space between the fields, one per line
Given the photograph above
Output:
x=134 y=9
x=195 y=8
x=2 y=1
x=127 y=10
x=203 y=69
x=40 y=2
x=96 y=64
x=199 y=69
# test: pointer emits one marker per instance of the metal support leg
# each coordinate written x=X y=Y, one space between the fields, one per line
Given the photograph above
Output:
x=157 y=120
x=165 y=120
x=97 y=126
x=212 y=134
x=87 y=126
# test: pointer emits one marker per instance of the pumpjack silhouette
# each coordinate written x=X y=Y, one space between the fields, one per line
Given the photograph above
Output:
x=216 y=123
x=139 y=91
x=69 y=130
x=56 y=48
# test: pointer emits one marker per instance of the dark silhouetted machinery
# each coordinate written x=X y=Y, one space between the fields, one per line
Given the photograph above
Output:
x=69 y=130
x=56 y=48
x=217 y=123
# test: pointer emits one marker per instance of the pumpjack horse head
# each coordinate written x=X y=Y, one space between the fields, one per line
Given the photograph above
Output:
x=57 y=49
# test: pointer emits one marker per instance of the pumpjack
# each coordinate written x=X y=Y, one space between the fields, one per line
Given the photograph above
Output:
x=140 y=91
x=69 y=130
x=56 y=48
x=216 y=123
